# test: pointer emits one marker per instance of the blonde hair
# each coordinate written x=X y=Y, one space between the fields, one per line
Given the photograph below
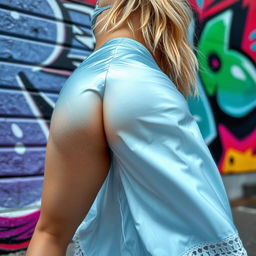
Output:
x=164 y=25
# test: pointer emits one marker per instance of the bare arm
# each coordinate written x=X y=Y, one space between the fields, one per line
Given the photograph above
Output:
x=76 y=164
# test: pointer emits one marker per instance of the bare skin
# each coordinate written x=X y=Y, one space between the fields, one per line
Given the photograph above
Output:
x=76 y=165
x=124 y=31
x=73 y=175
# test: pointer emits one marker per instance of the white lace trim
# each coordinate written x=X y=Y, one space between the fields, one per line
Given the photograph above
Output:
x=230 y=246
x=77 y=248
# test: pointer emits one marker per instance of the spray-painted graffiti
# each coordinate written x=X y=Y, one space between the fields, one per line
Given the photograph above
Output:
x=226 y=41
x=232 y=158
x=41 y=43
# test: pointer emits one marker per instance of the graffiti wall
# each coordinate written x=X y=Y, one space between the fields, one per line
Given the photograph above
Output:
x=43 y=41
x=225 y=38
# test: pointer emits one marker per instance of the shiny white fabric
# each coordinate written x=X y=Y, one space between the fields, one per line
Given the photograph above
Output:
x=163 y=195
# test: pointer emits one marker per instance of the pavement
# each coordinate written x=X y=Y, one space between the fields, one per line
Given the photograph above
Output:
x=245 y=221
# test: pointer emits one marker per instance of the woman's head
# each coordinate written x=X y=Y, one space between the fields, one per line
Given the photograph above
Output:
x=164 y=25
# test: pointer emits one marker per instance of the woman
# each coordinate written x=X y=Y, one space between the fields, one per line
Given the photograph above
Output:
x=127 y=171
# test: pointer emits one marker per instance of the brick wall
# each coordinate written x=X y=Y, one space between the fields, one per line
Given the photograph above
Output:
x=43 y=41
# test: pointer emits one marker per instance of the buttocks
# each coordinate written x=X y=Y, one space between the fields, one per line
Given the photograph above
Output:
x=141 y=102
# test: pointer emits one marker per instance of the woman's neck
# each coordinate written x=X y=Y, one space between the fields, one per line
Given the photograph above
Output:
x=123 y=31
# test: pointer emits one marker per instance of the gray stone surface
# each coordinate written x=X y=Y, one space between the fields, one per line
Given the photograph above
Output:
x=245 y=220
x=234 y=183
